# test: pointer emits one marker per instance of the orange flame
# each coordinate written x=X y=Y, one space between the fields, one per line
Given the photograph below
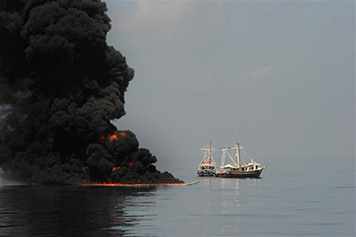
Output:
x=139 y=185
x=112 y=137
x=122 y=134
x=115 y=168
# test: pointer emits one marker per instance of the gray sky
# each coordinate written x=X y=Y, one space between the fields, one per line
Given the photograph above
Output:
x=277 y=76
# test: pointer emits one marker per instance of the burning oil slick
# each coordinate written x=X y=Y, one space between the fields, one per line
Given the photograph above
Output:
x=60 y=86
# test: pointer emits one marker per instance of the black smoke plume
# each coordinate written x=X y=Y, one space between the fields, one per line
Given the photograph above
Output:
x=60 y=86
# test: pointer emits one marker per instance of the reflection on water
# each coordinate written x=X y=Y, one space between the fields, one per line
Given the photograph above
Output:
x=229 y=202
x=275 y=205
x=206 y=181
x=67 y=210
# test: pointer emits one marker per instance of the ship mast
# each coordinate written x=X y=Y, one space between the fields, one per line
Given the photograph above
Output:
x=225 y=151
x=238 y=155
x=210 y=153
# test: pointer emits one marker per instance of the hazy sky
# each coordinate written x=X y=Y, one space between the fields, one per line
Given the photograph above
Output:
x=277 y=76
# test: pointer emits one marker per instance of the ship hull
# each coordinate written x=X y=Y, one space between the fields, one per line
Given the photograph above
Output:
x=205 y=173
x=239 y=174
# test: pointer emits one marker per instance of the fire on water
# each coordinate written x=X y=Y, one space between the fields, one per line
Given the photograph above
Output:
x=135 y=184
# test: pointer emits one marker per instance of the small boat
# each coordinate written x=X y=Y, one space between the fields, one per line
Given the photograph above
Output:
x=238 y=168
x=207 y=166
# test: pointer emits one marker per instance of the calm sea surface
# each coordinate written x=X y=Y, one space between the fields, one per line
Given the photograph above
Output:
x=295 y=200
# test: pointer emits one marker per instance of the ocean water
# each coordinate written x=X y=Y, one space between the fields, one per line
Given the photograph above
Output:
x=317 y=199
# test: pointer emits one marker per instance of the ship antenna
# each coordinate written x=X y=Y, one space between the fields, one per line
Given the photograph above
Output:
x=236 y=137
x=210 y=152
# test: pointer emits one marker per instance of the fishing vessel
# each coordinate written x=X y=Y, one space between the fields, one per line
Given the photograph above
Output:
x=238 y=168
x=207 y=166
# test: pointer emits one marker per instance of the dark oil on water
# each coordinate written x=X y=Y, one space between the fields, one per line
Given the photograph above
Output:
x=303 y=201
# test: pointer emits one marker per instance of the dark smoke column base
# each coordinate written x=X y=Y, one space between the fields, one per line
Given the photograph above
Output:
x=137 y=185
x=117 y=158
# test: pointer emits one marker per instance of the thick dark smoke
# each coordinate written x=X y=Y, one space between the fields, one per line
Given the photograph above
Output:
x=60 y=86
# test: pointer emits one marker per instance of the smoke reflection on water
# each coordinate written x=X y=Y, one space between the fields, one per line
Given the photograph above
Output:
x=36 y=210
x=7 y=182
